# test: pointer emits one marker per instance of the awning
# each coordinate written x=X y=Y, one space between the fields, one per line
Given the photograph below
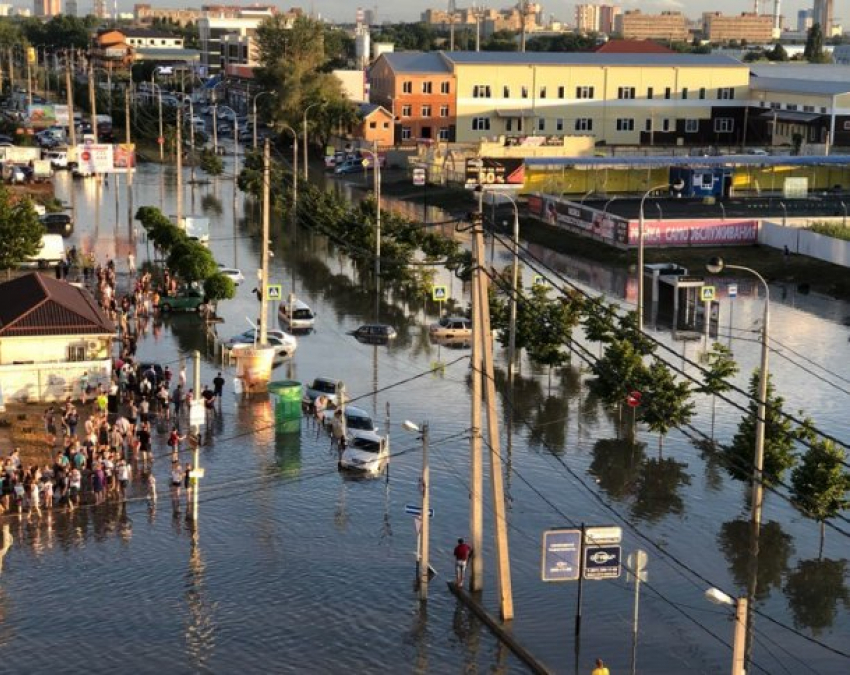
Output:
x=790 y=116
x=515 y=112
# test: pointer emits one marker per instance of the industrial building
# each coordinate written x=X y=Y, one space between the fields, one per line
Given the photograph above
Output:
x=750 y=27
x=668 y=26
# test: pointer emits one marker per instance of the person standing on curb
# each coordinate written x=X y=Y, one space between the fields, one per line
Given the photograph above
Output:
x=600 y=668
x=462 y=553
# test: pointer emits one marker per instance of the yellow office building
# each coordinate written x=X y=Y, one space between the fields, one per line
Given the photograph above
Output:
x=620 y=99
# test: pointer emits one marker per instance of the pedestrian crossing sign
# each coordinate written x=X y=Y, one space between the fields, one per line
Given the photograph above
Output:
x=440 y=293
x=274 y=292
x=539 y=280
x=707 y=293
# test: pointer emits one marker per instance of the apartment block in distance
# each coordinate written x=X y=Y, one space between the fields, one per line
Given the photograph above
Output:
x=620 y=99
x=419 y=89
x=635 y=25
x=754 y=28
x=213 y=31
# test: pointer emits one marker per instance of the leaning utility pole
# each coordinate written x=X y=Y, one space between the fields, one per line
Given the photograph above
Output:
x=483 y=334
x=476 y=511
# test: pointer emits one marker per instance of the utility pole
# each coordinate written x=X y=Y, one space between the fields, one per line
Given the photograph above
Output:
x=523 y=13
x=127 y=128
x=377 y=177
x=161 y=138
x=476 y=511
x=92 y=104
x=264 y=281
x=29 y=76
x=424 y=567
x=69 y=97
x=497 y=489
x=196 y=483
x=179 y=151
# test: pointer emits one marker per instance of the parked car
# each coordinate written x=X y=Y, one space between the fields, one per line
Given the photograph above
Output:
x=451 y=327
x=58 y=223
x=189 y=300
x=365 y=453
x=321 y=386
x=374 y=333
x=299 y=317
x=232 y=273
x=352 y=166
x=250 y=336
x=58 y=159
x=356 y=420
x=283 y=348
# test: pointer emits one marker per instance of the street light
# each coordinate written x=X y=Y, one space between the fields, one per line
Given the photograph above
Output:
x=294 y=159
x=423 y=568
x=304 y=132
x=784 y=213
x=718 y=597
x=677 y=186
x=716 y=266
x=844 y=206
x=256 y=96
x=376 y=160
x=514 y=284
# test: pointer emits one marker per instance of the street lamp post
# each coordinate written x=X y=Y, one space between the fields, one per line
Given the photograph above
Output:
x=844 y=206
x=254 y=111
x=514 y=284
x=784 y=213
x=425 y=534
x=663 y=186
x=377 y=162
x=718 y=597
x=715 y=266
x=294 y=161
x=304 y=136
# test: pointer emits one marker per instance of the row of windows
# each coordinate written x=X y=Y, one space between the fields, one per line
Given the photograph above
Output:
x=623 y=93
x=442 y=133
x=721 y=124
x=425 y=111
x=792 y=106
x=427 y=87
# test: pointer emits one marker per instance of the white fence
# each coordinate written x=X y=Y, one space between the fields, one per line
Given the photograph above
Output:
x=805 y=242
x=38 y=382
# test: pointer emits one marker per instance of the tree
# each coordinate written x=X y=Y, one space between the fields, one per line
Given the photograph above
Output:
x=819 y=484
x=778 y=53
x=813 y=51
x=211 y=163
x=554 y=321
x=620 y=370
x=775 y=550
x=219 y=287
x=720 y=368
x=192 y=261
x=20 y=230
x=778 y=438
x=814 y=590
x=665 y=403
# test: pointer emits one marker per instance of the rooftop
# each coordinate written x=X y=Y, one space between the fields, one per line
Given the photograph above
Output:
x=632 y=47
x=801 y=86
x=37 y=304
x=416 y=62
x=589 y=59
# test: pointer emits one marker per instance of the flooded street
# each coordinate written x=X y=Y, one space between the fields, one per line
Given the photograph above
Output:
x=297 y=568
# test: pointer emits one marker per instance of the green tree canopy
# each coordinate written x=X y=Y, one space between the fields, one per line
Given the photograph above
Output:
x=20 y=230
x=219 y=287
x=665 y=403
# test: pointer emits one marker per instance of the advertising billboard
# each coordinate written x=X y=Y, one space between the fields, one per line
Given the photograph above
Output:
x=95 y=158
x=695 y=232
x=41 y=115
x=490 y=172
x=605 y=226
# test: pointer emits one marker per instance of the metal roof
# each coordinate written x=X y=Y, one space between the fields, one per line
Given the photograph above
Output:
x=723 y=160
x=818 y=72
x=416 y=62
x=794 y=86
x=790 y=116
x=588 y=59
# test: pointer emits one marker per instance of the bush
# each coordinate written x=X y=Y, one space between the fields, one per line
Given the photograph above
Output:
x=219 y=287
x=836 y=230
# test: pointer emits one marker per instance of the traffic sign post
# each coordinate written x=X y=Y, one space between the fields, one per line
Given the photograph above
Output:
x=707 y=294
x=602 y=562
x=561 y=554
x=732 y=291
x=440 y=294
x=274 y=292
x=414 y=510
x=636 y=569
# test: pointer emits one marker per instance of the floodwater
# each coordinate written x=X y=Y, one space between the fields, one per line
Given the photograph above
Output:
x=296 y=568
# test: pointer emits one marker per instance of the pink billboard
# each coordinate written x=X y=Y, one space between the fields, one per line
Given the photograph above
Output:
x=658 y=233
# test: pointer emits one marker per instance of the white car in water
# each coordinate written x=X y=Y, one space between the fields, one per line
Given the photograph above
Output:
x=232 y=273
x=365 y=453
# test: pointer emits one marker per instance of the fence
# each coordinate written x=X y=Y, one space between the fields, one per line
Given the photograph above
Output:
x=805 y=242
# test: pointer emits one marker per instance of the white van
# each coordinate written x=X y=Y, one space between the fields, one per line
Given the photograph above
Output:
x=51 y=253
x=299 y=317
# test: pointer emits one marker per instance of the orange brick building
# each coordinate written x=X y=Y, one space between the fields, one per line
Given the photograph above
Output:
x=419 y=90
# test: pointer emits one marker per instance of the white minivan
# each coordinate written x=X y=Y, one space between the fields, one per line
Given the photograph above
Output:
x=51 y=253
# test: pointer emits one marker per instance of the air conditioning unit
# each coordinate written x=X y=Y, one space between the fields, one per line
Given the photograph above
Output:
x=93 y=346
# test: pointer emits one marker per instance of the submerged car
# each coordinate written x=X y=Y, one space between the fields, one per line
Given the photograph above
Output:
x=366 y=453
x=451 y=327
x=374 y=333
x=321 y=386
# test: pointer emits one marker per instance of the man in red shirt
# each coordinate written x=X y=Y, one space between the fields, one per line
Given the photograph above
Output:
x=462 y=553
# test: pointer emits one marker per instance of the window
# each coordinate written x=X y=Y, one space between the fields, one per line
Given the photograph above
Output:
x=726 y=93
x=808 y=108
x=625 y=124
x=562 y=92
x=584 y=124
x=667 y=92
x=791 y=106
x=524 y=91
x=405 y=133
x=724 y=125
x=506 y=92
x=559 y=124
x=823 y=111
x=684 y=93
x=444 y=133
x=373 y=125
x=481 y=124
x=386 y=125
x=691 y=126
x=542 y=92
x=541 y=124
x=77 y=352
x=649 y=92
x=444 y=111
x=445 y=88
x=665 y=124
x=406 y=110
x=584 y=92
x=846 y=125
x=648 y=124
x=510 y=124
x=481 y=91
x=426 y=87
x=775 y=106
x=426 y=111
x=626 y=92
x=407 y=87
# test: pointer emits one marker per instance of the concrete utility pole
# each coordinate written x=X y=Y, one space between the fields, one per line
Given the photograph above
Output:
x=196 y=482
x=264 y=269
x=69 y=97
x=485 y=371
x=294 y=167
x=127 y=129
x=476 y=510
x=92 y=104
x=424 y=567
x=179 y=151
